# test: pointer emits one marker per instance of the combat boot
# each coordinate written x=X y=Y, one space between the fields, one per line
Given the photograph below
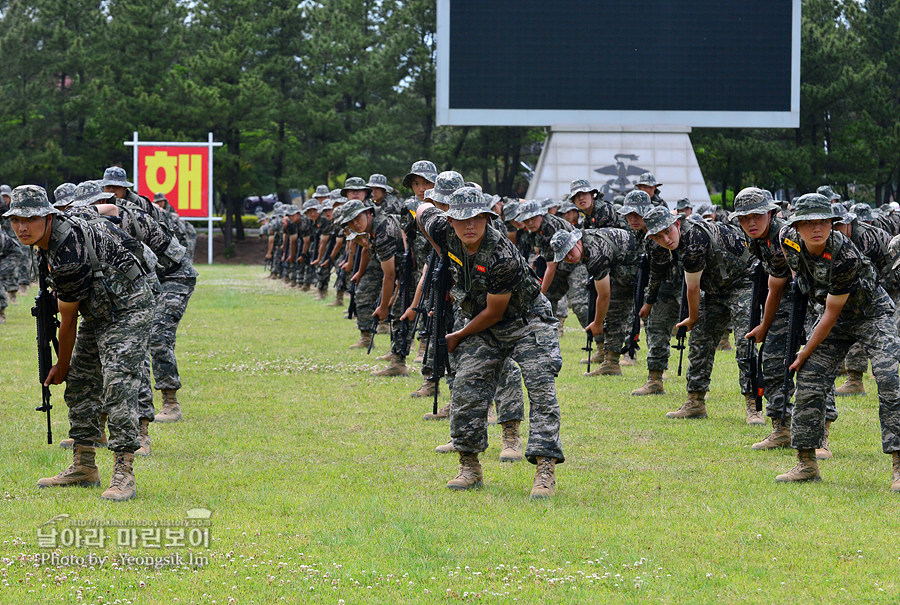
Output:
x=512 y=443
x=779 y=437
x=753 y=416
x=597 y=357
x=69 y=443
x=338 y=300
x=824 y=453
x=694 y=407
x=442 y=413
x=469 y=476
x=304 y=287
x=854 y=385
x=544 y=479
x=561 y=328
x=386 y=357
x=895 y=475
x=420 y=355
x=122 y=486
x=144 y=438
x=12 y=296
x=653 y=386
x=724 y=343
x=609 y=367
x=171 y=409
x=83 y=472
x=627 y=360
x=446 y=448
x=807 y=468
x=426 y=390
x=396 y=368
x=383 y=328
x=322 y=294
x=3 y=315
x=363 y=342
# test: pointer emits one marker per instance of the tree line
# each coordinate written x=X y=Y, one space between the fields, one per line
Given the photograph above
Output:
x=303 y=92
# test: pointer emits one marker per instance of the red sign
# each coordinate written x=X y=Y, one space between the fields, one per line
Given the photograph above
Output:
x=180 y=173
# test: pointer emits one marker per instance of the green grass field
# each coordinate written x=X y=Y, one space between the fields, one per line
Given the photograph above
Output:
x=324 y=487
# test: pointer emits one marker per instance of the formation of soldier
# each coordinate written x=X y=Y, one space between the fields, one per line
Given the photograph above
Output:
x=776 y=274
x=122 y=263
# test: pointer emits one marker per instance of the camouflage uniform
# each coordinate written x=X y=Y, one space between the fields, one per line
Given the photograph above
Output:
x=526 y=334
x=719 y=251
x=866 y=317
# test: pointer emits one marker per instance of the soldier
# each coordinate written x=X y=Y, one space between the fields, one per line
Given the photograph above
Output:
x=596 y=212
x=683 y=206
x=873 y=243
x=666 y=304
x=385 y=245
x=310 y=234
x=757 y=215
x=92 y=275
x=383 y=195
x=569 y=212
x=184 y=230
x=505 y=316
x=327 y=242
x=15 y=270
x=611 y=257
x=649 y=185
x=716 y=263
x=831 y=269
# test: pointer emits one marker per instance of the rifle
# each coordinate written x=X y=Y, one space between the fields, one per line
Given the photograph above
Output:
x=351 y=308
x=681 y=333
x=796 y=338
x=592 y=311
x=441 y=313
x=540 y=267
x=406 y=274
x=754 y=359
x=374 y=328
x=640 y=284
x=423 y=297
x=44 y=312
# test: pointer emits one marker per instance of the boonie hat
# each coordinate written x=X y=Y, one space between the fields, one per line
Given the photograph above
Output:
x=64 y=194
x=658 y=219
x=90 y=192
x=562 y=243
x=636 y=201
x=351 y=210
x=828 y=192
x=863 y=212
x=752 y=200
x=530 y=209
x=379 y=180
x=581 y=185
x=29 y=200
x=446 y=183
x=322 y=191
x=812 y=207
x=116 y=176
x=466 y=203
x=683 y=204
x=649 y=180
x=354 y=183
x=843 y=215
x=422 y=168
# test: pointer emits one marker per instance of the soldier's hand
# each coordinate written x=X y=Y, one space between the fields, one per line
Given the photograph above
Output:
x=645 y=310
x=798 y=363
x=56 y=375
x=381 y=313
x=452 y=340
x=687 y=324
x=268 y=257
x=757 y=334
x=314 y=263
x=594 y=328
x=408 y=315
x=356 y=277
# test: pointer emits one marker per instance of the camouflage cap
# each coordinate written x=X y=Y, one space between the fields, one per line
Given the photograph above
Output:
x=422 y=168
x=336 y=193
x=446 y=183
x=530 y=209
x=278 y=206
x=354 y=183
x=336 y=215
x=683 y=204
x=812 y=207
x=338 y=201
x=351 y=210
x=581 y=185
x=658 y=219
x=63 y=195
x=549 y=202
x=649 y=180
x=310 y=205
x=322 y=191
x=116 y=176
x=379 y=180
x=29 y=200
x=894 y=251
x=290 y=209
x=567 y=206
x=562 y=243
x=704 y=209
x=326 y=205
x=828 y=192
x=636 y=201
x=5 y=190
x=90 y=192
x=752 y=200
x=863 y=212
x=511 y=210
x=466 y=203
x=842 y=215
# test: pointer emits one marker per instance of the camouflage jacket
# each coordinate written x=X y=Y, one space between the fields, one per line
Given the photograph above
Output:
x=769 y=252
x=613 y=252
x=549 y=226
x=873 y=242
x=603 y=215
x=840 y=270
x=386 y=238
x=889 y=222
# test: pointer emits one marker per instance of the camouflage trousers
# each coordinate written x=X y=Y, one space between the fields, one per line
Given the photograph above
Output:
x=145 y=407
x=773 y=355
x=568 y=290
x=9 y=274
x=367 y=291
x=341 y=279
x=323 y=275
x=812 y=317
x=659 y=325
x=170 y=308
x=397 y=309
x=480 y=359
x=617 y=323
x=815 y=378
x=717 y=310
x=276 y=264
x=856 y=359
x=310 y=272
x=105 y=376
x=508 y=397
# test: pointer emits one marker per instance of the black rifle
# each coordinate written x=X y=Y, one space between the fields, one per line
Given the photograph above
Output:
x=754 y=359
x=681 y=333
x=439 y=325
x=540 y=267
x=406 y=276
x=796 y=338
x=329 y=249
x=424 y=305
x=592 y=311
x=44 y=312
x=640 y=284
x=351 y=308
x=374 y=328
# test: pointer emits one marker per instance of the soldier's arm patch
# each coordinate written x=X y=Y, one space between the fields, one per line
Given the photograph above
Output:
x=792 y=244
